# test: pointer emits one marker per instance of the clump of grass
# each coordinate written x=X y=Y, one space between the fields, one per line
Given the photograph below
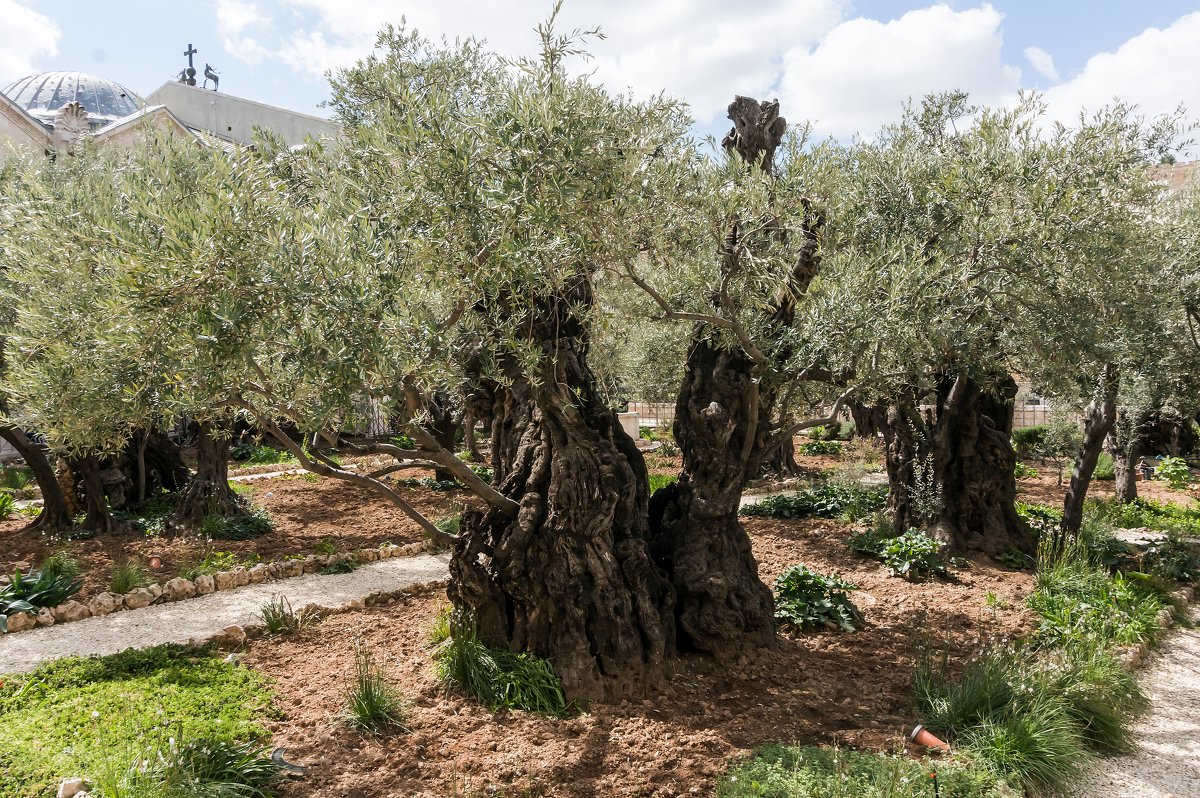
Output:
x=440 y=631
x=127 y=575
x=450 y=525
x=279 y=618
x=245 y=526
x=779 y=771
x=497 y=678
x=373 y=704
x=62 y=563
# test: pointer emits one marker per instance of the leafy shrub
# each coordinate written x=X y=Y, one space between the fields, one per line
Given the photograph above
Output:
x=8 y=505
x=1173 y=558
x=1022 y=471
x=658 y=481
x=1042 y=519
x=373 y=704
x=1147 y=513
x=127 y=575
x=255 y=523
x=213 y=562
x=404 y=441
x=829 y=500
x=1029 y=441
x=1106 y=468
x=35 y=590
x=779 y=771
x=805 y=599
x=1175 y=471
x=346 y=565
x=430 y=483
x=258 y=454
x=325 y=546
x=913 y=555
x=498 y=678
x=15 y=477
x=449 y=525
x=149 y=517
x=483 y=472
x=821 y=447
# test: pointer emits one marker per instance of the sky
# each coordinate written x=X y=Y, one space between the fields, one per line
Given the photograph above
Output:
x=847 y=66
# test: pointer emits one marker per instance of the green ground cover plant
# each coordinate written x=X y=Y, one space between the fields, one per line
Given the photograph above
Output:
x=151 y=515
x=1175 y=472
x=821 y=447
x=249 y=454
x=805 y=599
x=1148 y=513
x=497 y=678
x=78 y=716
x=658 y=481
x=373 y=704
x=15 y=477
x=780 y=771
x=239 y=527
x=827 y=500
x=34 y=590
x=913 y=555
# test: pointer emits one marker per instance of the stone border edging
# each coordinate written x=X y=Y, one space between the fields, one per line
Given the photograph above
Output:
x=180 y=589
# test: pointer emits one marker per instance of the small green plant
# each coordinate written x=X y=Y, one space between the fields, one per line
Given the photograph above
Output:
x=1013 y=558
x=127 y=575
x=35 y=590
x=279 y=618
x=149 y=517
x=246 y=526
x=1042 y=519
x=325 y=546
x=449 y=525
x=8 y=505
x=440 y=631
x=345 y=565
x=373 y=704
x=1172 y=557
x=440 y=485
x=15 y=477
x=1175 y=471
x=659 y=481
x=62 y=563
x=821 y=447
x=913 y=555
x=213 y=562
x=1106 y=468
x=805 y=599
x=1146 y=513
x=258 y=454
x=497 y=678
x=1023 y=471
x=404 y=441
x=483 y=472
x=829 y=500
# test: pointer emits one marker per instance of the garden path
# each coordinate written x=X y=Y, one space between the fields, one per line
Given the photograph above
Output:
x=1166 y=763
x=202 y=618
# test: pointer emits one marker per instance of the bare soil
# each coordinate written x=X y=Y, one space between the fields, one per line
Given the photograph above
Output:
x=309 y=517
x=823 y=687
x=1044 y=488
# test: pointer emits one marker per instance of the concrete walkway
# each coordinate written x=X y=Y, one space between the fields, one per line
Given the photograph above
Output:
x=1166 y=763
x=201 y=618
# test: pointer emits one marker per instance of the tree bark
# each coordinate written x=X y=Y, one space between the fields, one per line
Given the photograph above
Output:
x=55 y=514
x=98 y=517
x=444 y=423
x=208 y=492
x=1126 y=443
x=570 y=577
x=950 y=469
x=1098 y=421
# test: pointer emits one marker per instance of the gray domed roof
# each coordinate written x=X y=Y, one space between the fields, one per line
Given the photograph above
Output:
x=43 y=94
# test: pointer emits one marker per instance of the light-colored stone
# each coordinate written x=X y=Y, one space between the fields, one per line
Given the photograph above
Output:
x=138 y=597
x=105 y=603
x=241 y=577
x=20 y=621
x=45 y=617
x=310 y=564
x=1164 y=617
x=69 y=788
x=70 y=611
x=156 y=591
x=225 y=580
x=178 y=589
x=258 y=574
x=205 y=584
x=368 y=555
x=233 y=635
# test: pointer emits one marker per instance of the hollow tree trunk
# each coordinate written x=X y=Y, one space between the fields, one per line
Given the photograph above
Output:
x=951 y=470
x=1098 y=421
x=722 y=606
x=570 y=577
x=98 y=517
x=55 y=514
x=208 y=492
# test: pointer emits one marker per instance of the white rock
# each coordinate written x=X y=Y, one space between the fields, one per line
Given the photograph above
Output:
x=178 y=589
x=258 y=574
x=225 y=580
x=156 y=591
x=105 y=603
x=368 y=555
x=70 y=611
x=69 y=788
x=241 y=577
x=138 y=597
x=45 y=617
x=20 y=621
x=234 y=635
x=205 y=585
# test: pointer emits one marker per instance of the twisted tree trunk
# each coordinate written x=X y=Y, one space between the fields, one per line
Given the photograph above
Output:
x=1098 y=422
x=98 y=517
x=208 y=491
x=951 y=470
x=55 y=514
x=569 y=577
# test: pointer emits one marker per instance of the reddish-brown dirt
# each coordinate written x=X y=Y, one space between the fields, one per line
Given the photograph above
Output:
x=307 y=515
x=824 y=687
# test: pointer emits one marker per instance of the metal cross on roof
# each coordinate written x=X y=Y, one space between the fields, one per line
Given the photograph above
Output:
x=189 y=53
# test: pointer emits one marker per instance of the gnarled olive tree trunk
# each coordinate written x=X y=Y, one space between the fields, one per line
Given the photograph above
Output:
x=950 y=468
x=570 y=576
x=86 y=470
x=1098 y=421
x=55 y=514
x=208 y=491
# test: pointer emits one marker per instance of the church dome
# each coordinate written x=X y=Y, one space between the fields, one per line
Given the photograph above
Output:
x=44 y=93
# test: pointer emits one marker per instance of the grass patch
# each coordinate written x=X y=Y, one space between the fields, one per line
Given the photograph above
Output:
x=659 y=481
x=828 y=500
x=373 y=704
x=248 y=454
x=780 y=771
x=50 y=729
x=128 y=575
x=1164 y=516
x=497 y=678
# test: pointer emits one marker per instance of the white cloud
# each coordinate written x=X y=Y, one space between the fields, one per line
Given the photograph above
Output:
x=859 y=75
x=1158 y=69
x=704 y=51
x=234 y=19
x=25 y=36
x=1042 y=62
